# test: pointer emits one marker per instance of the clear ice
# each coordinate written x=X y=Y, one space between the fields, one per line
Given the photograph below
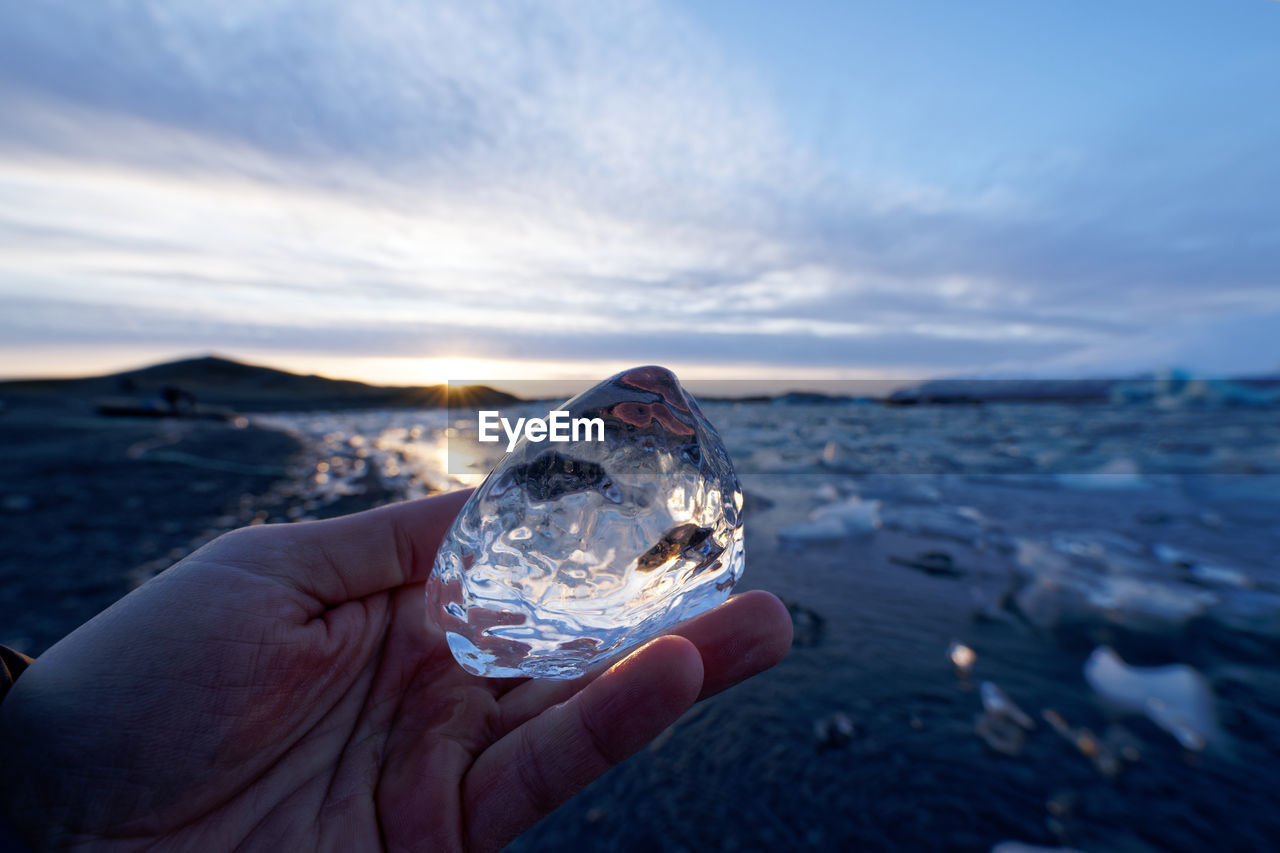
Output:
x=569 y=553
x=1175 y=697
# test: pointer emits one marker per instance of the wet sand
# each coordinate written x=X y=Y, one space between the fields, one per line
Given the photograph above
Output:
x=90 y=504
x=749 y=770
x=864 y=738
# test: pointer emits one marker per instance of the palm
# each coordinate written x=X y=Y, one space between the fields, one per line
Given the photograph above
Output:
x=283 y=685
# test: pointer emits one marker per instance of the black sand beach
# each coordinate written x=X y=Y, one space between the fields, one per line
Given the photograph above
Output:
x=866 y=737
x=92 y=504
x=766 y=767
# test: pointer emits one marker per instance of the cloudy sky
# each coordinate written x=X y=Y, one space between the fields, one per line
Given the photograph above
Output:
x=414 y=191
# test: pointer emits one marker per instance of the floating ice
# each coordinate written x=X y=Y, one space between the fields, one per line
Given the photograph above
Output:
x=1220 y=576
x=815 y=530
x=961 y=524
x=1002 y=725
x=1201 y=569
x=571 y=552
x=827 y=492
x=1019 y=847
x=1089 y=583
x=1034 y=559
x=1176 y=389
x=1077 y=599
x=1050 y=603
x=1120 y=474
x=995 y=701
x=848 y=519
x=1170 y=555
x=903 y=488
x=1148 y=605
x=1175 y=697
x=1111 y=550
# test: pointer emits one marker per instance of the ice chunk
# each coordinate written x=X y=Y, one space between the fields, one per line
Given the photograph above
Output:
x=1175 y=697
x=1002 y=725
x=1203 y=570
x=815 y=530
x=1220 y=576
x=1148 y=605
x=857 y=515
x=995 y=701
x=961 y=524
x=851 y=518
x=1019 y=847
x=574 y=551
x=1101 y=546
x=1120 y=474
x=1062 y=588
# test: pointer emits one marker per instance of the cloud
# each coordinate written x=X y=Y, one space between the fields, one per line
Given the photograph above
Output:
x=581 y=181
x=910 y=352
x=569 y=99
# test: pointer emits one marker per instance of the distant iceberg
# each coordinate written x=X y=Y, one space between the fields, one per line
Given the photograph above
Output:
x=1176 y=389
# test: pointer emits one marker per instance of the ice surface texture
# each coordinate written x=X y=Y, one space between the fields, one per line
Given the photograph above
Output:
x=572 y=552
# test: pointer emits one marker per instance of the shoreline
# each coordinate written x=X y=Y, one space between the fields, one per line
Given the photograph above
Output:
x=867 y=735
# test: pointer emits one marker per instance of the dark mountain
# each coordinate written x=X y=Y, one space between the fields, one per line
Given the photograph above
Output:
x=219 y=382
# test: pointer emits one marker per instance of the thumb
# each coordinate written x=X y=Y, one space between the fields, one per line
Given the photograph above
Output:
x=348 y=558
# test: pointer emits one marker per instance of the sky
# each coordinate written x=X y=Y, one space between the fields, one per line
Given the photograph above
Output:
x=412 y=192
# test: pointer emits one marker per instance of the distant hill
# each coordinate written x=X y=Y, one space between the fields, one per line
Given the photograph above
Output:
x=215 y=381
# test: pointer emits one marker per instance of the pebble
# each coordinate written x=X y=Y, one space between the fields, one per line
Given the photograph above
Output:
x=834 y=730
x=962 y=657
x=930 y=562
x=808 y=625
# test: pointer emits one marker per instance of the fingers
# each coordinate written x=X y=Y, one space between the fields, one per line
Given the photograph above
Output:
x=545 y=761
x=747 y=634
x=348 y=558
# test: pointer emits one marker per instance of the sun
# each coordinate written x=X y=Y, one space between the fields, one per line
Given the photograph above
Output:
x=463 y=368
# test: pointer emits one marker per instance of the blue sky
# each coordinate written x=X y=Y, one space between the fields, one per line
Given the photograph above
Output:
x=408 y=191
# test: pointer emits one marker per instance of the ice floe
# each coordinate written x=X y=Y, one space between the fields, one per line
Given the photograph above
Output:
x=1175 y=697
x=849 y=519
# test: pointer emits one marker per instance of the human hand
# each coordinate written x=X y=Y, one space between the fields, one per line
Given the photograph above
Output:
x=284 y=686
